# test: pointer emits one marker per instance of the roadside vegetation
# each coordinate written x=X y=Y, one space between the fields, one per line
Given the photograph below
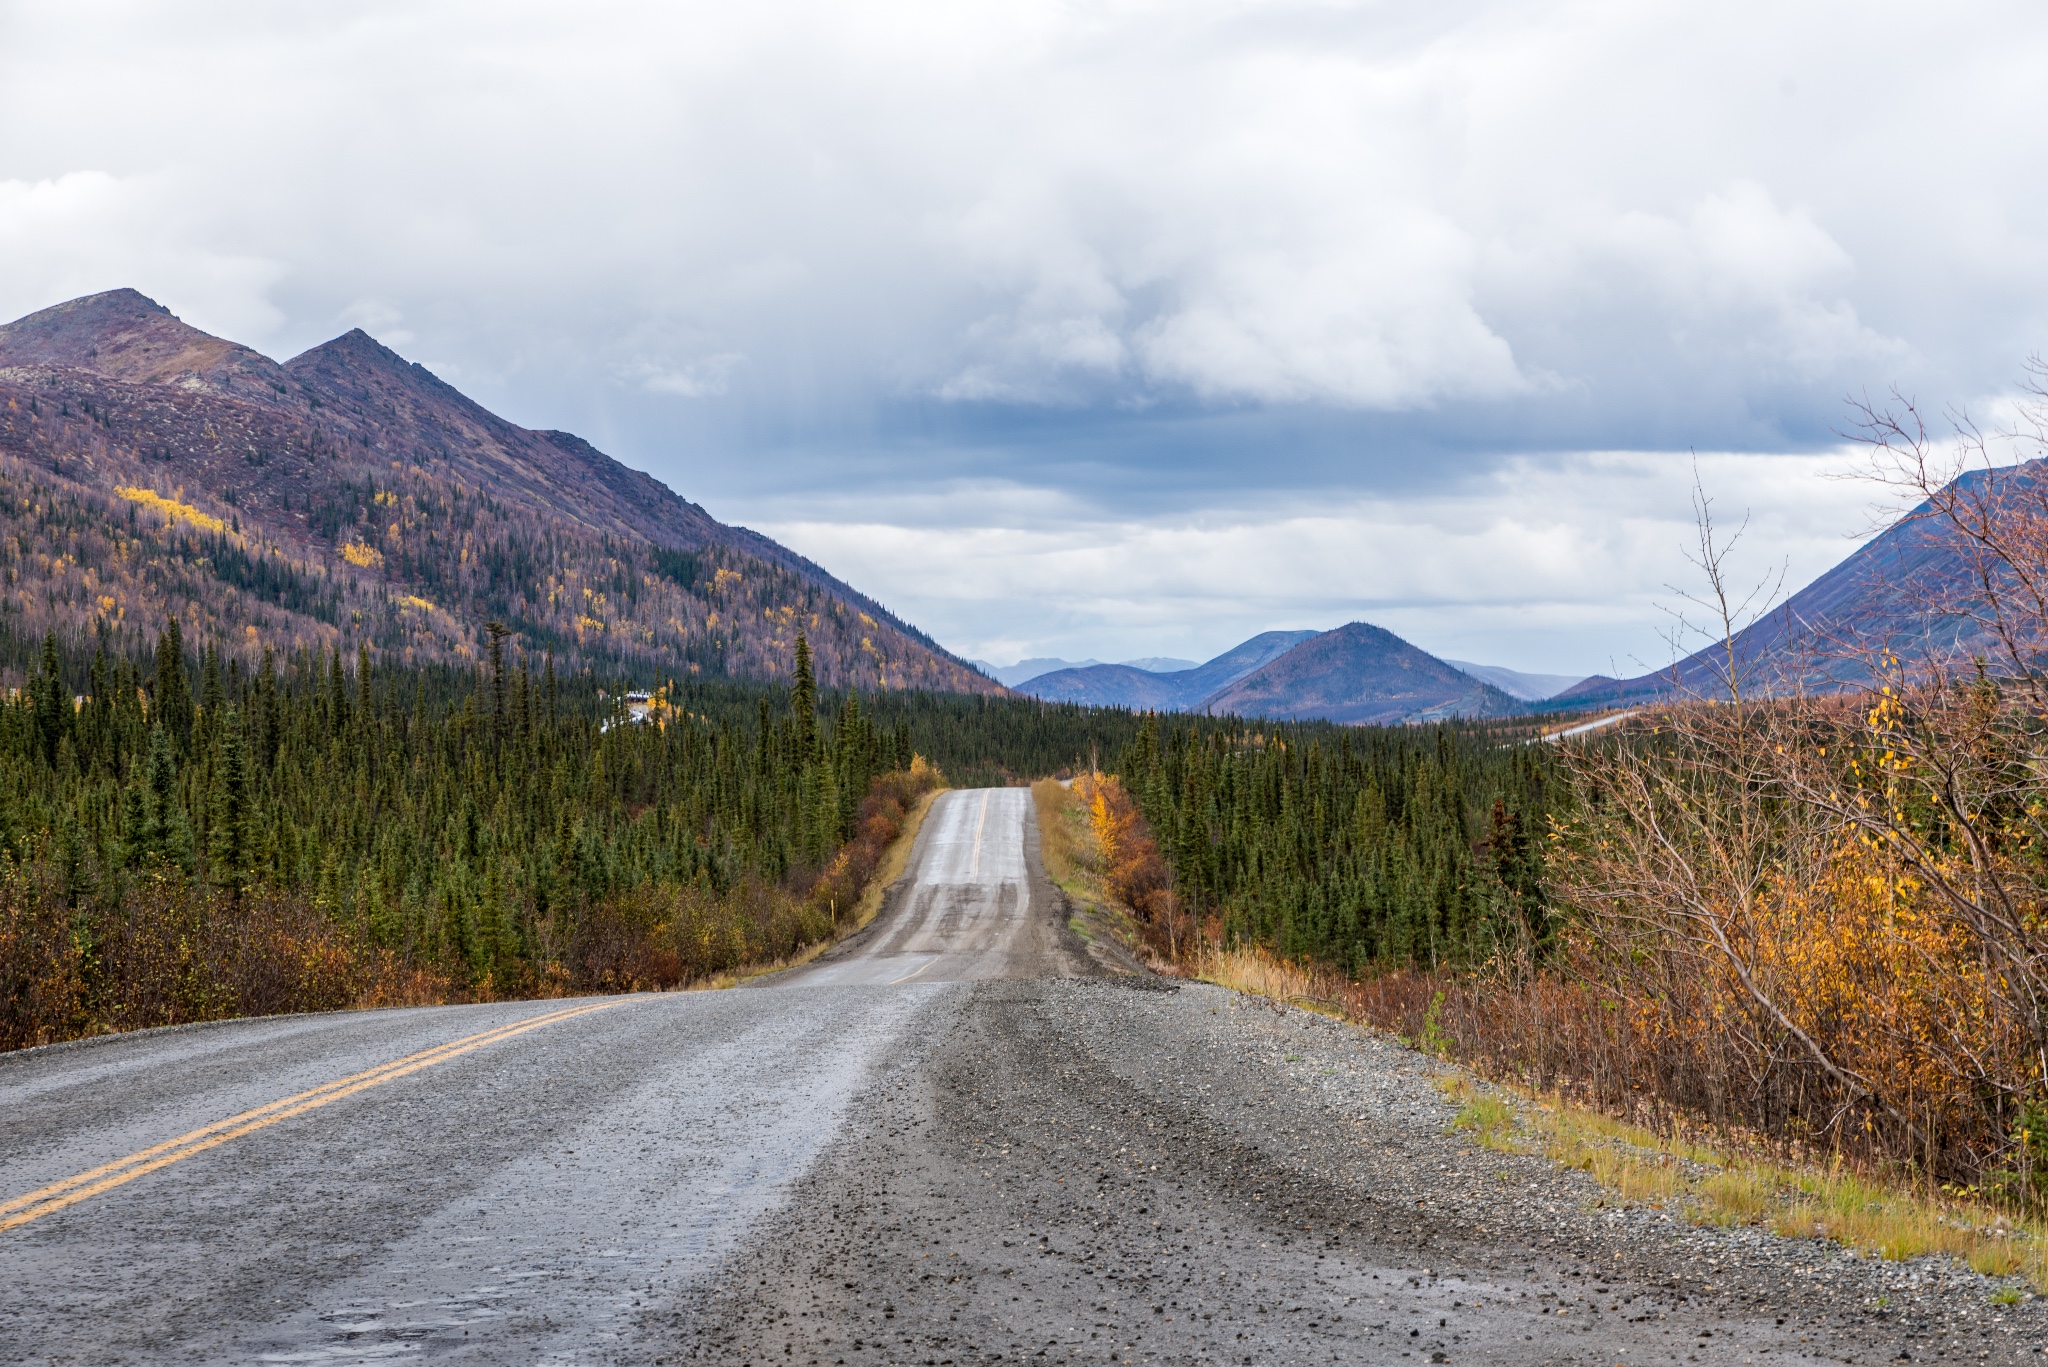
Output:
x=303 y=836
x=235 y=830
x=1779 y=957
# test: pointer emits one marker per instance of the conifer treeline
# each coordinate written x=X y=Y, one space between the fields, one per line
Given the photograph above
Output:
x=188 y=834
x=1360 y=847
x=488 y=833
x=448 y=823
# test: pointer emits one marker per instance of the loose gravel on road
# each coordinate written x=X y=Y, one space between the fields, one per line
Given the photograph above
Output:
x=1080 y=1171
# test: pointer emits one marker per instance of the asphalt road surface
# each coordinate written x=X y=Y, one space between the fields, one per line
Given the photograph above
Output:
x=953 y=1140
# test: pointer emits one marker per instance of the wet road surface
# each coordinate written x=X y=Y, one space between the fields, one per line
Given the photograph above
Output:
x=948 y=1141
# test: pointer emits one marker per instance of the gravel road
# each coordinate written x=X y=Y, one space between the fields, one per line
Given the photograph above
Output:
x=1080 y=1171
x=956 y=1139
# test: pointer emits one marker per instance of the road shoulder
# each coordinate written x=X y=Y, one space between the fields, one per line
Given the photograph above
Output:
x=1084 y=1170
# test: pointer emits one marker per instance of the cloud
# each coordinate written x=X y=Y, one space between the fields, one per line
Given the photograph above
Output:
x=700 y=378
x=1174 y=261
x=1561 y=565
x=1124 y=207
x=86 y=231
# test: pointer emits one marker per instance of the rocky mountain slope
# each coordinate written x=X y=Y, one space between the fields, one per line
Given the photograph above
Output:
x=350 y=497
x=1899 y=591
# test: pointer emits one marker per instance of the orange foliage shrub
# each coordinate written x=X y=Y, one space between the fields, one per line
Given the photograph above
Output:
x=1737 y=959
x=1132 y=869
x=173 y=952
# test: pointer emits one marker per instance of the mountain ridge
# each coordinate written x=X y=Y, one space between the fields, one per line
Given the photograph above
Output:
x=1820 y=638
x=1128 y=686
x=1356 y=673
x=1360 y=674
x=349 y=496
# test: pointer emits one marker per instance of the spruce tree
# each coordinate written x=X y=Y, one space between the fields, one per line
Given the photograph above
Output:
x=803 y=702
x=158 y=831
x=212 y=694
x=171 y=693
x=228 y=858
x=52 y=701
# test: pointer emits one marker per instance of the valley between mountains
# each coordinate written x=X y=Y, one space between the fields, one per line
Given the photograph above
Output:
x=348 y=499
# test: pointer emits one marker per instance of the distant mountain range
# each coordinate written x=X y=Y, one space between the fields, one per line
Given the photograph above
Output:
x=1025 y=670
x=1357 y=673
x=349 y=497
x=1516 y=684
x=1181 y=690
x=1028 y=669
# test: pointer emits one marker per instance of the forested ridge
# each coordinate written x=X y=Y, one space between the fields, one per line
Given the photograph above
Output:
x=149 y=471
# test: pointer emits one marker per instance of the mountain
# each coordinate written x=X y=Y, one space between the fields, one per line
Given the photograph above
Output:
x=1110 y=686
x=1819 y=638
x=1027 y=669
x=1364 y=675
x=349 y=496
x=1357 y=673
x=1516 y=684
x=1127 y=685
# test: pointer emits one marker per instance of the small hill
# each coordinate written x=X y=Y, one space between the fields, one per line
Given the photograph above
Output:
x=1364 y=675
x=1028 y=669
x=351 y=497
x=1110 y=686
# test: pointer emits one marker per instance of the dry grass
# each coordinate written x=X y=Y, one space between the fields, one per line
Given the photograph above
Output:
x=1259 y=973
x=1073 y=859
x=1716 y=1183
x=1713 y=1186
x=1063 y=838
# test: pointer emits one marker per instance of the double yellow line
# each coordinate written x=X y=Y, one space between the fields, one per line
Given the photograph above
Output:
x=44 y=1200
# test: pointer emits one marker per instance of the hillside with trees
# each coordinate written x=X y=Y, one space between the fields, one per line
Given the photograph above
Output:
x=350 y=498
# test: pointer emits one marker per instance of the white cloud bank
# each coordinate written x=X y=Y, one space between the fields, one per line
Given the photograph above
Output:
x=1359 y=205
x=1562 y=566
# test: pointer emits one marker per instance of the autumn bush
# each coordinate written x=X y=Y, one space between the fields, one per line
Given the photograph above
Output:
x=171 y=952
x=1131 y=867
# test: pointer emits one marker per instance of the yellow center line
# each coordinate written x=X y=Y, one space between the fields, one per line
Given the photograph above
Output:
x=56 y=1196
x=431 y=1055
x=915 y=971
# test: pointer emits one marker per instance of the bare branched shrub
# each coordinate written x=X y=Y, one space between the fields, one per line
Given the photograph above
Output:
x=1834 y=903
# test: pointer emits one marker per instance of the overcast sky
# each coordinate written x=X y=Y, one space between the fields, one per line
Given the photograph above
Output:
x=1114 y=329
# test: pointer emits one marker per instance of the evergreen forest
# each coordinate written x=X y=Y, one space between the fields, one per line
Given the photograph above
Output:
x=189 y=834
x=1359 y=847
